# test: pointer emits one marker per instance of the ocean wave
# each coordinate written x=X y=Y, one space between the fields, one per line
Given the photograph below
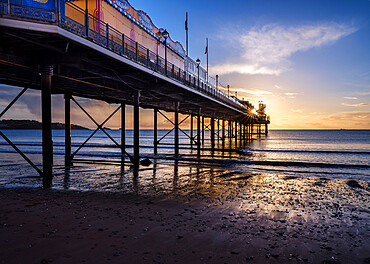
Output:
x=280 y=163
x=223 y=161
x=248 y=151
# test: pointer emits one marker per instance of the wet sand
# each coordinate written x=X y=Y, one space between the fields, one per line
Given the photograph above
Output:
x=212 y=216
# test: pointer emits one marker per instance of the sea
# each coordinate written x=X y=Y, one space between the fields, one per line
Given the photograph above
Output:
x=332 y=154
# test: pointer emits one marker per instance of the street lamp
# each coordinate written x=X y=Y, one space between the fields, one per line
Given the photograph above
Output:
x=228 y=90
x=165 y=36
x=198 y=62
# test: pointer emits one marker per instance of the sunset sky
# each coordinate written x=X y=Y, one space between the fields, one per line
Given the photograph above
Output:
x=308 y=60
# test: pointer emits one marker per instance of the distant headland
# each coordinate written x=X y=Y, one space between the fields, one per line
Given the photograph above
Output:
x=32 y=124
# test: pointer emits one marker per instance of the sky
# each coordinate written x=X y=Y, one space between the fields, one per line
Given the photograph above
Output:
x=308 y=60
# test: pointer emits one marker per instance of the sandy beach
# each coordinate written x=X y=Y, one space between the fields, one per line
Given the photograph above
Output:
x=222 y=217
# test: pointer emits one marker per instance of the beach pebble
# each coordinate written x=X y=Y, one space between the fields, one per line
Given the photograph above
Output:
x=354 y=184
x=145 y=162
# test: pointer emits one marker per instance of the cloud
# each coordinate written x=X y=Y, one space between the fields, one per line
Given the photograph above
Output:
x=266 y=50
x=350 y=98
x=243 y=91
x=291 y=95
x=355 y=105
x=350 y=117
x=243 y=69
x=257 y=92
x=277 y=86
x=296 y=110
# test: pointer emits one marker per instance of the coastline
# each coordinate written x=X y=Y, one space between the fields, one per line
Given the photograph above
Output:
x=256 y=219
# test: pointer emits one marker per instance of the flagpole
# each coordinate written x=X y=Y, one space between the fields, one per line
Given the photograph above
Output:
x=187 y=35
x=207 y=60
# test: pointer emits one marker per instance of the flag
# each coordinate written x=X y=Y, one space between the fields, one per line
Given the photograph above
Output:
x=206 y=50
x=186 y=22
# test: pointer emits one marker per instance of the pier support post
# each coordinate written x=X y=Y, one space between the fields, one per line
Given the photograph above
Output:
x=198 y=130
x=203 y=131
x=155 y=121
x=213 y=132
x=230 y=133
x=136 y=129
x=259 y=130
x=67 y=130
x=245 y=134
x=236 y=134
x=241 y=134
x=266 y=130
x=218 y=131
x=177 y=105
x=223 y=134
x=123 y=133
x=191 y=131
x=47 y=140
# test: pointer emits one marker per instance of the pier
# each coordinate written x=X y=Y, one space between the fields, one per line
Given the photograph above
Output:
x=67 y=50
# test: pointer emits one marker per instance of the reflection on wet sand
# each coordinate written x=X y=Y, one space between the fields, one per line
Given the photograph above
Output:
x=284 y=217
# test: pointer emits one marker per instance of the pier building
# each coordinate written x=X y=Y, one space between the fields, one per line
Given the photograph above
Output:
x=107 y=50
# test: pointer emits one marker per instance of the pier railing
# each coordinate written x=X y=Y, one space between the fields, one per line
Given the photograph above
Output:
x=77 y=21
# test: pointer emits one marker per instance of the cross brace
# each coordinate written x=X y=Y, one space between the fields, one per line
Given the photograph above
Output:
x=99 y=127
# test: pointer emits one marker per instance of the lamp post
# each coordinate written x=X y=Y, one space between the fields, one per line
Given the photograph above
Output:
x=228 y=90
x=216 y=91
x=198 y=62
x=165 y=36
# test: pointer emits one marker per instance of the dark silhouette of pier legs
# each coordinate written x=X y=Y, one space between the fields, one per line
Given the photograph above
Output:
x=213 y=132
x=136 y=130
x=266 y=129
x=259 y=130
x=236 y=134
x=202 y=131
x=47 y=141
x=250 y=131
x=155 y=121
x=245 y=134
x=198 y=131
x=230 y=133
x=223 y=134
x=123 y=132
x=191 y=131
x=218 y=131
x=67 y=129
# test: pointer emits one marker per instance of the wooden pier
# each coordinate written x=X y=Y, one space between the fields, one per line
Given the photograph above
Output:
x=48 y=51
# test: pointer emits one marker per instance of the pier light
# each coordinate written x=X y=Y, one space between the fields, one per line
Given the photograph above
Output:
x=165 y=35
x=198 y=62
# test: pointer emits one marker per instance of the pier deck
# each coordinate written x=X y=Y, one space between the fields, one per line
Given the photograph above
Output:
x=48 y=51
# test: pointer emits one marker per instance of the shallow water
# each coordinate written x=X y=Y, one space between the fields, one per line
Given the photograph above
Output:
x=341 y=154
